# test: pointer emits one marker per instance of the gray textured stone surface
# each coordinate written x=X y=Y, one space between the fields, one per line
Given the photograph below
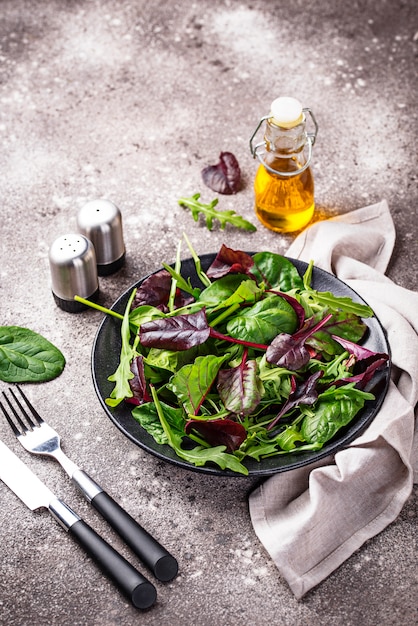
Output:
x=129 y=101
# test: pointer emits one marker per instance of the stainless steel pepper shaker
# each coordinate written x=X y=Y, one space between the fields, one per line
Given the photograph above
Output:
x=72 y=261
x=101 y=222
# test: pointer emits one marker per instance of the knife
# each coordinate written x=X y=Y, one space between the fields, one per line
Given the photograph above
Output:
x=35 y=494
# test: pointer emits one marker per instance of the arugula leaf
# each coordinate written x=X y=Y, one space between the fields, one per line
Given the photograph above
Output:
x=123 y=374
x=328 y=299
x=26 y=356
x=210 y=214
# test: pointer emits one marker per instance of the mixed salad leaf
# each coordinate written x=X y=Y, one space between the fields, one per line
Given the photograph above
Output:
x=253 y=363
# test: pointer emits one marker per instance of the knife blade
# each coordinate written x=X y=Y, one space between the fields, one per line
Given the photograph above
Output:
x=36 y=495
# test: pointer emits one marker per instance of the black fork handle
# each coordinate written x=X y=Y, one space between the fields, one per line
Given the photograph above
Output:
x=158 y=560
x=162 y=564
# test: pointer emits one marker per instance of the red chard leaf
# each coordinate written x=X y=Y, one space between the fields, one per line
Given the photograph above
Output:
x=138 y=384
x=175 y=333
x=225 y=176
x=219 y=432
x=229 y=261
x=155 y=291
x=289 y=351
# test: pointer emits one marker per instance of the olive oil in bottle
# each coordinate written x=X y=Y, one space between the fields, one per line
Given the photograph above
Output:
x=283 y=185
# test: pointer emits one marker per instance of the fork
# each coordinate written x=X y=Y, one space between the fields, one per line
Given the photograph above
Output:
x=38 y=437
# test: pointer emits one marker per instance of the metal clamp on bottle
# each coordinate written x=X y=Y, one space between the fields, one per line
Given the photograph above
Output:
x=258 y=150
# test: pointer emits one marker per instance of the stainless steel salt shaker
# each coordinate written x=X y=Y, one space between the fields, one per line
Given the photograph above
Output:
x=101 y=222
x=72 y=261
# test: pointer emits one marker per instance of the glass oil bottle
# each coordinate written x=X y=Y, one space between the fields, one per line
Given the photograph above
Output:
x=284 y=185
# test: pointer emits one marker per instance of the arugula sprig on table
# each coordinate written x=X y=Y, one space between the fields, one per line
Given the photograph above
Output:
x=210 y=213
x=252 y=363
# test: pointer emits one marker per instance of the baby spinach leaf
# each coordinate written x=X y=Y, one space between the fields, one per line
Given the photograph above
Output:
x=171 y=360
x=220 y=290
x=147 y=415
x=264 y=320
x=275 y=270
x=192 y=382
x=335 y=408
x=26 y=356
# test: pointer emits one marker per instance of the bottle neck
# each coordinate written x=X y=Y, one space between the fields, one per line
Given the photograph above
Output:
x=285 y=142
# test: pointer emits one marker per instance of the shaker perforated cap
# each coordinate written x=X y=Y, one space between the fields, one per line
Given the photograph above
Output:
x=72 y=262
x=286 y=112
x=101 y=222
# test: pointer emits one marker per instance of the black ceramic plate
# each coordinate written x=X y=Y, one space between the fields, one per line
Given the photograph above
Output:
x=105 y=359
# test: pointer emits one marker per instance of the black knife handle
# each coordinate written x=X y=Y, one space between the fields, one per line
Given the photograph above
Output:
x=162 y=564
x=136 y=587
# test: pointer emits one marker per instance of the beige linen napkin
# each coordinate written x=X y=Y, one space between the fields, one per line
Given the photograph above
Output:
x=310 y=520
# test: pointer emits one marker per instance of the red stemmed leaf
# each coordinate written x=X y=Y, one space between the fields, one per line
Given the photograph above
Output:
x=180 y=332
x=219 y=432
x=240 y=388
x=229 y=261
x=225 y=176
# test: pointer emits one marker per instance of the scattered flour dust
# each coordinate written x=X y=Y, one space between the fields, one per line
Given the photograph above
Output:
x=247 y=32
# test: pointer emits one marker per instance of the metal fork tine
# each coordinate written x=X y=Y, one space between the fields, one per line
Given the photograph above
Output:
x=30 y=407
x=12 y=425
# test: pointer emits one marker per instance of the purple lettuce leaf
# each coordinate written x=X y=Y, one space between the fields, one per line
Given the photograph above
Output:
x=371 y=361
x=155 y=291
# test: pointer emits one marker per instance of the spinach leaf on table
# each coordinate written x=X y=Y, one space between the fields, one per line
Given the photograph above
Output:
x=26 y=356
